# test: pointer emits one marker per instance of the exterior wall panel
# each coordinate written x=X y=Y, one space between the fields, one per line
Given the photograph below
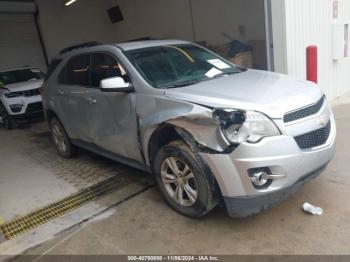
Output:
x=310 y=22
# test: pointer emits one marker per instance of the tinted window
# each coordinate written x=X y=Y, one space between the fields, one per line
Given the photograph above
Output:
x=22 y=75
x=53 y=65
x=76 y=72
x=104 y=66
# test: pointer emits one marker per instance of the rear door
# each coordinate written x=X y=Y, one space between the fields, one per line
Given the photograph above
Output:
x=73 y=90
x=113 y=121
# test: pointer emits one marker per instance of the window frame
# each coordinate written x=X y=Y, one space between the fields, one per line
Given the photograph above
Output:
x=63 y=70
x=113 y=57
x=91 y=53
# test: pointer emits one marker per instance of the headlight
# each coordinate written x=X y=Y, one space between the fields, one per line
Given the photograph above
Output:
x=12 y=95
x=245 y=126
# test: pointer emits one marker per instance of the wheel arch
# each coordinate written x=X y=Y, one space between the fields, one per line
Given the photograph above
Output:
x=50 y=114
x=163 y=134
x=167 y=133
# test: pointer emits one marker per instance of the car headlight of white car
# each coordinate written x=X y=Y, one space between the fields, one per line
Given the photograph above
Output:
x=245 y=126
x=12 y=94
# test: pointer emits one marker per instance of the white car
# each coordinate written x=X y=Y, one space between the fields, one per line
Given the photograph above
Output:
x=20 y=97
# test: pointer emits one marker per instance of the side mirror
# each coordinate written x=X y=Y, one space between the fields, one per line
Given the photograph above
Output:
x=116 y=84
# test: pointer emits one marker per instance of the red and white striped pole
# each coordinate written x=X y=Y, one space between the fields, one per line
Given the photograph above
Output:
x=312 y=63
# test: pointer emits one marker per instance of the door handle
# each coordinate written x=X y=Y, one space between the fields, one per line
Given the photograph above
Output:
x=92 y=101
x=60 y=92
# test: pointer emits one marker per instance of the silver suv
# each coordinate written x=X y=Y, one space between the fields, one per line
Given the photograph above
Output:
x=210 y=132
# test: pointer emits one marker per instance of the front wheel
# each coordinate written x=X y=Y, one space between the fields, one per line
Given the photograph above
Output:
x=186 y=184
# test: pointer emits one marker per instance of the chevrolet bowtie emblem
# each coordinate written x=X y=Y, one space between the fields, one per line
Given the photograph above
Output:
x=322 y=120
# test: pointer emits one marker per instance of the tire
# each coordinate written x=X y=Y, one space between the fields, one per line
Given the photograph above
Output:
x=63 y=144
x=190 y=191
x=7 y=120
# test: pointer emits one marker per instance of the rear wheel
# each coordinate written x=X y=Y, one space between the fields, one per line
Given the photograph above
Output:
x=60 y=137
x=184 y=181
x=7 y=120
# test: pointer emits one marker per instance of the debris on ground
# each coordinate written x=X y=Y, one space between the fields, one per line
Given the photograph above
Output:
x=308 y=208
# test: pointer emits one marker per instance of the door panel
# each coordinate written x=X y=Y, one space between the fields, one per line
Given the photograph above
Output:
x=113 y=121
x=76 y=108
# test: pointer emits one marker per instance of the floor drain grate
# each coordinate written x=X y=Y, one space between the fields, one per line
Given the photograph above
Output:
x=39 y=217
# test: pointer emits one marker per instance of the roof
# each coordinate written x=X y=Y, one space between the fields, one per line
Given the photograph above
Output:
x=149 y=43
x=126 y=46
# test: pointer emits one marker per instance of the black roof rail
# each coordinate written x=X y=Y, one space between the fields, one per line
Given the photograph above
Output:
x=82 y=45
x=140 y=39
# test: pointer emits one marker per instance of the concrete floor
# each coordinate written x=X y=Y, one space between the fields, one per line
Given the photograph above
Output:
x=145 y=225
x=33 y=175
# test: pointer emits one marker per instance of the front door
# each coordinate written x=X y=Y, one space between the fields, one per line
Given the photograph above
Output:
x=113 y=121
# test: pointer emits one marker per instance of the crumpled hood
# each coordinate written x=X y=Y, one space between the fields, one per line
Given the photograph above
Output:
x=270 y=93
x=23 y=86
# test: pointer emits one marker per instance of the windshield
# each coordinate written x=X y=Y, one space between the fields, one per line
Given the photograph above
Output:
x=21 y=75
x=179 y=65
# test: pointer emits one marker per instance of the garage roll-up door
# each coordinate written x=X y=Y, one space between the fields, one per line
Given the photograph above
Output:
x=19 y=41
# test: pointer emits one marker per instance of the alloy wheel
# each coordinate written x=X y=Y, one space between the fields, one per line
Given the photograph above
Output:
x=59 y=138
x=179 y=181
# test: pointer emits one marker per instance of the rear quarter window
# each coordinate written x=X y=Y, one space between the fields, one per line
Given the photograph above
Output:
x=77 y=71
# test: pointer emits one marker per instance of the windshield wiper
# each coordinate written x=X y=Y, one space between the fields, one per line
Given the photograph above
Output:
x=223 y=74
x=193 y=82
x=182 y=84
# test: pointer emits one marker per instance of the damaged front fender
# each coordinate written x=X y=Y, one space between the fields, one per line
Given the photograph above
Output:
x=193 y=123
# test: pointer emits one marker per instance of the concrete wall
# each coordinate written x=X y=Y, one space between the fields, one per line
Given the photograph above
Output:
x=87 y=20
x=300 y=23
x=213 y=19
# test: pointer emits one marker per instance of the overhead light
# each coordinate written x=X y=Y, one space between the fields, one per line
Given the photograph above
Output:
x=69 y=2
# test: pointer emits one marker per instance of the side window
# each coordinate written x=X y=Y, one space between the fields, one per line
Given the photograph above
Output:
x=76 y=71
x=105 y=66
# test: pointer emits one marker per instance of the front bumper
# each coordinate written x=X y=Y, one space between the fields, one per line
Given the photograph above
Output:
x=32 y=111
x=251 y=205
x=282 y=155
x=31 y=108
x=28 y=116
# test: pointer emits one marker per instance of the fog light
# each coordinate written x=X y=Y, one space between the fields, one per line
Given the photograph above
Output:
x=16 y=108
x=260 y=179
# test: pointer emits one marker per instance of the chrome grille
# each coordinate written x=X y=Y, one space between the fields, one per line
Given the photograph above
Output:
x=315 y=138
x=305 y=112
